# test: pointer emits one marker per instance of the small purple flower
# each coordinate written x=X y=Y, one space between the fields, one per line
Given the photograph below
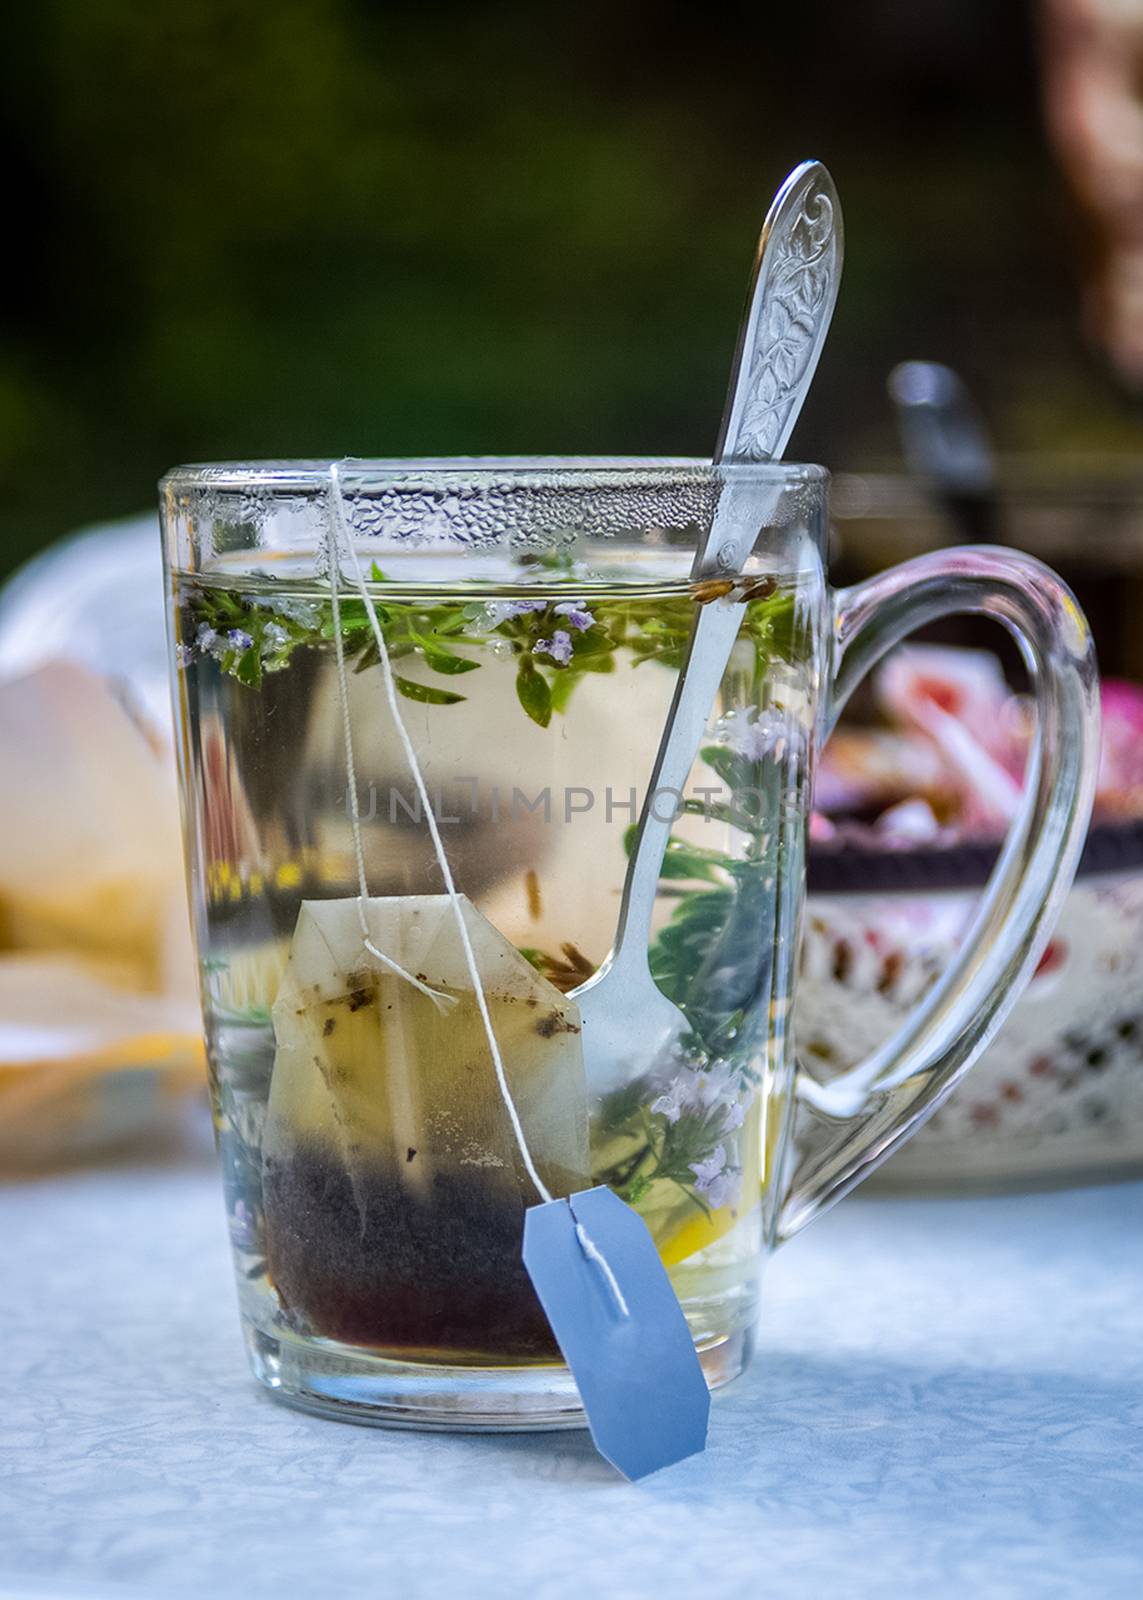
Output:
x=559 y=647
x=710 y=1168
x=754 y=735
x=210 y=642
x=715 y=1092
x=576 y=613
x=714 y=1180
x=184 y=654
x=670 y=1104
x=721 y=1190
x=238 y=639
x=504 y=610
x=734 y=1118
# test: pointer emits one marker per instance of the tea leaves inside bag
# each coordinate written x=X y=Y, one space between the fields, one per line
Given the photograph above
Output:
x=393 y=1184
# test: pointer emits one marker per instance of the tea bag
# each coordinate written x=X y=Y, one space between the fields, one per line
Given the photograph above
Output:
x=393 y=1181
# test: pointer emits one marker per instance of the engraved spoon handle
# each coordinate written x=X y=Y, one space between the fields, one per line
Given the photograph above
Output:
x=793 y=290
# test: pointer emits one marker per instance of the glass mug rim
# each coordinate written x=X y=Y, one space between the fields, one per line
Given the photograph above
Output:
x=483 y=472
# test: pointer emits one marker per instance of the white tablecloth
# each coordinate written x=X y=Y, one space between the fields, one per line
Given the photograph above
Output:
x=947 y=1401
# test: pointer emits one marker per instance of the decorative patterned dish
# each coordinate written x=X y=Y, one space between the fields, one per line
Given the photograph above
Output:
x=904 y=839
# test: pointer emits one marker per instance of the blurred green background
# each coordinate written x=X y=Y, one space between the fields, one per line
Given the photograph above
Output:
x=326 y=227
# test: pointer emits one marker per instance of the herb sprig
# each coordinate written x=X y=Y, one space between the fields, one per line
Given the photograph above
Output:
x=554 y=642
x=712 y=959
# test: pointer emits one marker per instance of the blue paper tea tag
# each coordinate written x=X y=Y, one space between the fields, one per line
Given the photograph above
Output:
x=621 y=1329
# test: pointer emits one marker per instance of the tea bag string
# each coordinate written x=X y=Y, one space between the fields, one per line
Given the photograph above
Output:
x=343 y=535
x=441 y=1001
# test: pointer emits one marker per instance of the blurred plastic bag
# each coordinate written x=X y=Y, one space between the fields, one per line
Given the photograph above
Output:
x=95 y=598
x=97 y=978
x=90 y=859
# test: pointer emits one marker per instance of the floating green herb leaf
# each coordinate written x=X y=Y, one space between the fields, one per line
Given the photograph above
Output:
x=440 y=659
x=533 y=693
x=248 y=669
x=426 y=693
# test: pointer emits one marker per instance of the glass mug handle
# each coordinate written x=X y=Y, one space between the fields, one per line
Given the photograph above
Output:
x=846 y=1127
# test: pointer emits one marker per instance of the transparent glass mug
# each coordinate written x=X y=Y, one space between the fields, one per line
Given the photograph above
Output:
x=536 y=615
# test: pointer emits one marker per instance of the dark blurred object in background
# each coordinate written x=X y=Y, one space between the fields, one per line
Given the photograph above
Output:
x=328 y=226
x=1084 y=517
